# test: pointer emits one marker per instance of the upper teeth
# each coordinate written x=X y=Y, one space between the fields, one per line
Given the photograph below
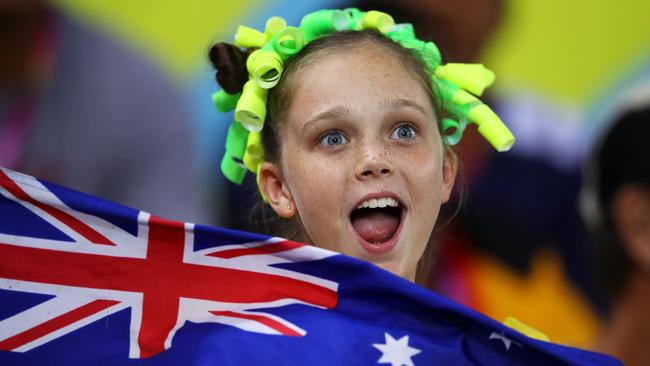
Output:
x=378 y=203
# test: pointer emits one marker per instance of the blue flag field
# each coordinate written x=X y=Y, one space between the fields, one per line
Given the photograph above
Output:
x=86 y=281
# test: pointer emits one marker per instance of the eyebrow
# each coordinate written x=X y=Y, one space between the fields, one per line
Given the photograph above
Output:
x=401 y=102
x=333 y=113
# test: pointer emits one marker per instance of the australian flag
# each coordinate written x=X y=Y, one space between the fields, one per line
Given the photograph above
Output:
x=86 y=281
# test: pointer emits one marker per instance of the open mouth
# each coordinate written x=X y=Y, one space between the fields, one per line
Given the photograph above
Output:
x=377 y=222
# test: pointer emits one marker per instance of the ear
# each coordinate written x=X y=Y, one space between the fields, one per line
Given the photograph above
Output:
x=631 y=215
x=275 y=190
x=449 y=170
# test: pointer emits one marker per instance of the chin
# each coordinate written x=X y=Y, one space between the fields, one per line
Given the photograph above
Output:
x=397 y=269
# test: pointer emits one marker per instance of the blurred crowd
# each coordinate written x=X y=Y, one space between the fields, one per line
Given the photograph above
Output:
x=555 y=233
x=81 y=109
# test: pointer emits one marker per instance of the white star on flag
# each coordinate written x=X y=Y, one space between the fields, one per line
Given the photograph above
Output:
x=506 y=341
x=396 y=352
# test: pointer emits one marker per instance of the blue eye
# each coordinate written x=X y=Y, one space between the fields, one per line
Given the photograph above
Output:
x=333 y=138
x=404 y=132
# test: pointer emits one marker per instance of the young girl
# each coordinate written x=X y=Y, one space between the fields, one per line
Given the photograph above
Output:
x=354 y=137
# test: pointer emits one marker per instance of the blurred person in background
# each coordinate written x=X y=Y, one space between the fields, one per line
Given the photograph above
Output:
x=616 y=205
x=79 y=109
x=517 y=246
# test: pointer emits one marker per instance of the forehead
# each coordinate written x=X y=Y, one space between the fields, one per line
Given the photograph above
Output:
x=341 y=74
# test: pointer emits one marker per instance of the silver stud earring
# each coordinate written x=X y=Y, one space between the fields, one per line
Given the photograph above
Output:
x=288 y=207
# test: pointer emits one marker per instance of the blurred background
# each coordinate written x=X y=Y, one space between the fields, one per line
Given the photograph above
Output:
x=113 y=98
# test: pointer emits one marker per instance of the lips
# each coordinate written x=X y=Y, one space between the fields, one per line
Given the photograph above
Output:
x=376 y=221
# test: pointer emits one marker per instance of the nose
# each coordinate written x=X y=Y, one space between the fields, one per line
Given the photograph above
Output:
x=374 y=163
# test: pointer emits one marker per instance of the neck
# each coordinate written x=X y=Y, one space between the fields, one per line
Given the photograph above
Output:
x=626 y=334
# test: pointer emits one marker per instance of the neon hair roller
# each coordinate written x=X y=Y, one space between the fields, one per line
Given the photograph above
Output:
x=377 y=20
x=254 y=157
x=265 y=67
x=323 y=22
x=251 y=107
x=232 y=170
x=254 y=154
x=458 y=127
x=401 y=31
x=491 y=127
x=431 y=56
x=466 y=106
x=286 y=42
x=472 y=77
x=426 y=51
x=259 y=186
x=249 y=37
x=252 y=163
x=355 y=16
x=225 y=102
x=236 y=140
x=273 y=26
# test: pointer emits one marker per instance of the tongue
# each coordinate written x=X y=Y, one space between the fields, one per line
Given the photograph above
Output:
x=375 y=226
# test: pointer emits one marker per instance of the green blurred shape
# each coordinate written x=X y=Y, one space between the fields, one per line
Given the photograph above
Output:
x=225 y=102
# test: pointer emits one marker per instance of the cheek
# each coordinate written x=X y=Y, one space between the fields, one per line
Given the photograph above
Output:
x=426 y=173
x=316 y=184
x=318 y=187
x=308 y=173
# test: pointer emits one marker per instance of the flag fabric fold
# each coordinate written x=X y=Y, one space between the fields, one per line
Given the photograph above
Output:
x=87 y=281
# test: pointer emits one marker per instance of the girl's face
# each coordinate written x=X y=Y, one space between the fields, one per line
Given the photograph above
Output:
x=362 y=162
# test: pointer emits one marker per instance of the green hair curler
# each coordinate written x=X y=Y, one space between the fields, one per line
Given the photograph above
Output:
x=323 y=22
x=251 y=107
x=265 y=67
x=286 y=42
x=225 y=102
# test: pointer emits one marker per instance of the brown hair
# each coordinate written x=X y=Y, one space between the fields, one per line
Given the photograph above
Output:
x=279 y=97
x=229 y=63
